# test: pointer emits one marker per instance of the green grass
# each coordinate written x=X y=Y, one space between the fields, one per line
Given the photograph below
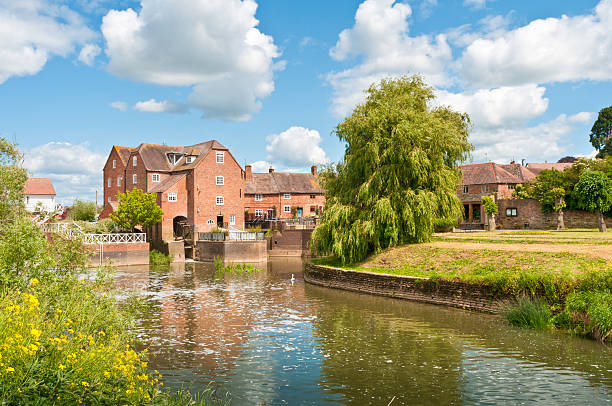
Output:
x=531 y=313
x=159 y=258
x=235 y=268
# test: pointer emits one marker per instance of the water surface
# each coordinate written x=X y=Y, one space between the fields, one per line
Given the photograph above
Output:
x=268 y=340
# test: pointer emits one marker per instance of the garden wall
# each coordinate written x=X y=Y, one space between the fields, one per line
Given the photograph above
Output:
x=455 y=294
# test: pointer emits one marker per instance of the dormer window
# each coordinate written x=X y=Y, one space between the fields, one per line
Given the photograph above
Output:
x=155 y=177
x=174 y=157
x=220 y=157
x=190 y=159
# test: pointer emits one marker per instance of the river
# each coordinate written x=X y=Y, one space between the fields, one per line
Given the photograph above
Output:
x=269 y=340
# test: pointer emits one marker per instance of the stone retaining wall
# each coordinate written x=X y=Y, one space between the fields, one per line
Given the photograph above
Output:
x=232 y=251
x=119 y=253
x=455 y=294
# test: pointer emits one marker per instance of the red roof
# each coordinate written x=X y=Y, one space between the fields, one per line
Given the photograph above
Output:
x=38 y=186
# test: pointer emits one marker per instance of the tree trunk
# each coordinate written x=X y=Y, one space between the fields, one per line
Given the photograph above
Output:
x=601 y=221
x=560 y=222
x=492 y=222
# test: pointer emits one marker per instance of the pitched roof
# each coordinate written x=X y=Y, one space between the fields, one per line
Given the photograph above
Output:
x=154 y=156
x=123 y=152
x=283 y=182
x=38 y=186
x=539 y=167
x=167 y=183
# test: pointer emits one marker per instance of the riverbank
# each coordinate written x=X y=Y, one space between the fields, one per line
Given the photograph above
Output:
x=575 y=284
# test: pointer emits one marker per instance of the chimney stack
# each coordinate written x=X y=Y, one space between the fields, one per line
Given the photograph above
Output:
x=271 y=170
x=313 y=170
x=249 y=173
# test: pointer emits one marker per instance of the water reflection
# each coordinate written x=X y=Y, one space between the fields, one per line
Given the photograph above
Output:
x=267 y=339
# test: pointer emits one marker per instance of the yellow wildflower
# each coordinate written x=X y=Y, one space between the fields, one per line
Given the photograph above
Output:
x=35 y=333
x=34 y=282
x=61 y=367
x=85 y=384
x=10 y=369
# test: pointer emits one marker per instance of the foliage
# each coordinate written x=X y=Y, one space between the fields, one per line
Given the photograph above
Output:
x=12 y=180
x=236 y=268
x=399 y=172
x=529 y=312
x=137 y=208
x=254 y=229
x=489 y=204
x=545 y=189
x=220 y=230
x=601 y=132
x=591 y=312
x=82 y=210
x=159 y=258
x=595 y=191
x=104 y=226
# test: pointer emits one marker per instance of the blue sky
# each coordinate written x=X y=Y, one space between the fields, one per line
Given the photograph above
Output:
x=271 y=79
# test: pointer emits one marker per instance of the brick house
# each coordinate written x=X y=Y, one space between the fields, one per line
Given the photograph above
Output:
x=198 y=186
x=500 y=180
x=282 y=195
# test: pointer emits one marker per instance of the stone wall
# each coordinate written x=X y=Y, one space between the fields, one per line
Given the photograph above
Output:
x=119 y=254
x=232 y=251
x=455 y=294
x=529 y=212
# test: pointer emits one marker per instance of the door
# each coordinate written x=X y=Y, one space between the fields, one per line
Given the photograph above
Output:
x=299 y=212
x=220 y=221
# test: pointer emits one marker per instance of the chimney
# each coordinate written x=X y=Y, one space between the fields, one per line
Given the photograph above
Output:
x=271 y=170
x=313 y=170
x=249 y=173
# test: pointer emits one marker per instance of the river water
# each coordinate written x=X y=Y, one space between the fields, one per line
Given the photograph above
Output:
x=268 y=340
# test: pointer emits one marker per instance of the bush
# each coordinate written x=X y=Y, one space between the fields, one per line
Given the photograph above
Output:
x=103 y=226
x=590 y=313
x=528 y=312
x=159 y=258
x=82 y=211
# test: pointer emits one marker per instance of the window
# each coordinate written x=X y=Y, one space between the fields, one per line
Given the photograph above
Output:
x=313 y=209
x=220 y=200
x=259 y=212
x=172 y=197
x=312 y=196
x=134 y=179
x=287 y=196
x=220 y=181
x=119 y=181
x=232 y=220
x=155 y=177
x=109 y=199
x=210 y=222
x=220 y=157
x=258 y=197
x=287 y=208
x=190 y=159
x=485 y=188
x=134 y=161
x=512 y=186
x=114 y=163
x=109 y=182
x=270 y=213
x=465 y=190
x=511 y=212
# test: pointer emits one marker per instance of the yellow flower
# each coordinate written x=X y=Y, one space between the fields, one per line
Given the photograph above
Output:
x=106 y=374
x=35 y=333
x=62 y=367
x=10 y=369
x=85 y=384
x=34 y=282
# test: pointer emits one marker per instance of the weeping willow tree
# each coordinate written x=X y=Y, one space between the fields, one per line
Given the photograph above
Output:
x=399 y=174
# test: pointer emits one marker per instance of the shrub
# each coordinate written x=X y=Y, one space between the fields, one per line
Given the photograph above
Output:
x=528 y=312
x=159 y=258
x=103 y=226
x=591 y=313
x=82 y=210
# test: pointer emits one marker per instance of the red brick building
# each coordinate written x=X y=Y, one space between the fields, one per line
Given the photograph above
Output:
x=500 y=180
x=282 y=194
x=201 y=185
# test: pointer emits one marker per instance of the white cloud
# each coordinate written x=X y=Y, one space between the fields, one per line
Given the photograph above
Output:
x=296 y=147
x=75 y=170
x=119 y=105
x=32 y=31
x=381 y=37
x=475 y=3
x=164 y=106
x=545 y=141
x=88 y=54
x=504 y=106
x=213 y=45
x=261 y=166
x=543 y=51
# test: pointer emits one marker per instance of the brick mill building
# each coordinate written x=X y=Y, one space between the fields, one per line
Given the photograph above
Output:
x=282 y=195
x=200 y=187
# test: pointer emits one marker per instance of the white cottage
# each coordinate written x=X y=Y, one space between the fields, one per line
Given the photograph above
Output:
x=39 y=192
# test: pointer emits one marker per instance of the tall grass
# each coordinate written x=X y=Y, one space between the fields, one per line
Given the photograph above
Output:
x=159 y=258
x=529 y=312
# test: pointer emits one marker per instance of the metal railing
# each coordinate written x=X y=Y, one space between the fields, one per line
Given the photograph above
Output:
x=232 y=236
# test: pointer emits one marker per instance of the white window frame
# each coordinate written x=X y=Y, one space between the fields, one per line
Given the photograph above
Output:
x=114 y=163
x=134 y=161
x=259 y=212
x=258 y=197
x=220 y=200
x=466 y=190
x=511 y=186
x=109 y=199
x=189 y=159
x=156 y=178
x=232 y=219
x=172 y=197
x=286 y=208
x=221 y=179
x=109 y=183
x=287 y=196
x=119 y=181
x=134 y=179
x=220 y=157
x=511 y=212
x=210 y=222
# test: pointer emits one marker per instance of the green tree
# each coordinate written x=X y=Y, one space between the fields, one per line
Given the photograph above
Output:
x=399 y=174
x=595 y=191
x=601 y=132
x=83 y=210
x=490 y=208
x=12 y=180
x=137 y=208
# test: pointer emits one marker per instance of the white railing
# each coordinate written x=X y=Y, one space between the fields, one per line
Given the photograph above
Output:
x=114 y=238
x=245 y=236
